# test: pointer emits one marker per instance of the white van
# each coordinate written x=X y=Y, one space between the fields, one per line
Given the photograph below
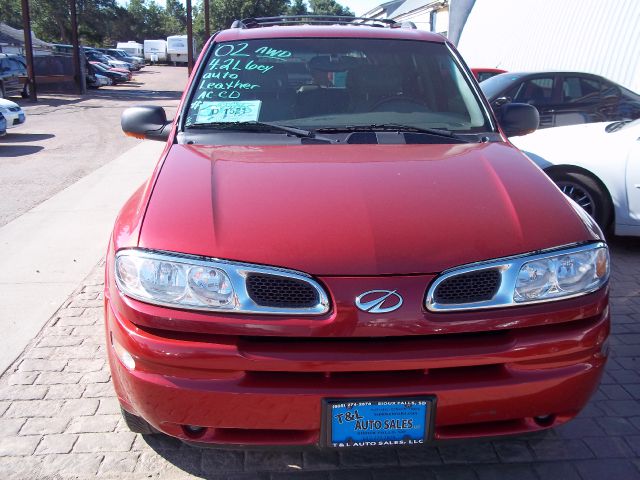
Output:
x=132 y=48
x=155 y=50
x=177 y=48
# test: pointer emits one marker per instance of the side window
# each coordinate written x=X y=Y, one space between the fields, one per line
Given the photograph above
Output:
x=537 y=91
x=17 y=66
x=4 y=65
x=610 y=91
x=580 y=90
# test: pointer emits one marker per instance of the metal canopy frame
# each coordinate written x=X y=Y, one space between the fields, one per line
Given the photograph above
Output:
x=288 y=20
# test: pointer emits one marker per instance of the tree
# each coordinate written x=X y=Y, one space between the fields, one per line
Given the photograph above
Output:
x=328 y=7
x=11 y=13
x=298 y=7
x=175 y=18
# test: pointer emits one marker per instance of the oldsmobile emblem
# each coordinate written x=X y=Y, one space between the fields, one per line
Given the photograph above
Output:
x=379 y=301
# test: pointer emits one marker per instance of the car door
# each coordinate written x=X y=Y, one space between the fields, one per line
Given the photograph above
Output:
x=581 y=101
x=633 y=180
x=9 y=76
x=542 y=92
x=21 y=72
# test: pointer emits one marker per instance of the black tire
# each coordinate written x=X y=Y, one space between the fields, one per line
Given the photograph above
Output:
x=137 y=424
x=588 y=193
x=26 y=91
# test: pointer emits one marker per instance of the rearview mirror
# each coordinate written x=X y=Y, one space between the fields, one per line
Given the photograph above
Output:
x=146 y=122
x=518 y=119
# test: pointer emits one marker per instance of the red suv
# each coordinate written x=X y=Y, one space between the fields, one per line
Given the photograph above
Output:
x=340 y=247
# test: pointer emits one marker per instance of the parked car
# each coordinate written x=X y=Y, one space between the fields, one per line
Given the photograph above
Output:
x=597 y=166
x=137 y=62
x=95 y=80
x=12 y=112
x=3 y=125
x=482 y=74
x=564 y=98
x=366 y=261
x=105 y=70
x=95 y=56
x=123 y=71
x=13 y=76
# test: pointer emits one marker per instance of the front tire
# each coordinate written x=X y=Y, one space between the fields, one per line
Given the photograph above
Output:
x=588 y=193
x=137 y=424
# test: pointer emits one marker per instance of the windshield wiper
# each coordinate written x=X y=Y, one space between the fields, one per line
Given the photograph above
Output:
x=615 y=126
x=266 y=126
x=395 y=127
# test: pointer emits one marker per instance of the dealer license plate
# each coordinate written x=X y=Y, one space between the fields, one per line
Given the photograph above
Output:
x=379 y=422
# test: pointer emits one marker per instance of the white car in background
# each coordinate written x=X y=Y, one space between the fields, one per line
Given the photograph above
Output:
x=12 y=112
x=595 y=164
x=103 y=81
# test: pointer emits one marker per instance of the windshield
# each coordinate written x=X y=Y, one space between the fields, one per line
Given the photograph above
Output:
x=313 y=83
x=491 y=87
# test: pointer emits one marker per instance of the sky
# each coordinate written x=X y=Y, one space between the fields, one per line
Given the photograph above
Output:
x=358 y=7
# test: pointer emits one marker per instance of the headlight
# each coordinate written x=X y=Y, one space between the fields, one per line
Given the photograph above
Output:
x=198 y=283
x=562 y=275
x=532 y=278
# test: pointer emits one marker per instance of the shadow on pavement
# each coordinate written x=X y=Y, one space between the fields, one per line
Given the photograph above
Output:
x=26 y=137
x=18 y=150
x=121 y=92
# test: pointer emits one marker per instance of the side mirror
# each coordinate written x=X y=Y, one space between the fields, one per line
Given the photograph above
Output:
x=518 y=119
x=148 y=122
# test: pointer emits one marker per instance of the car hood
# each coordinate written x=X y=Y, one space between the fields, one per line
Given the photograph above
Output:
x=356 y=209
x=8 y=103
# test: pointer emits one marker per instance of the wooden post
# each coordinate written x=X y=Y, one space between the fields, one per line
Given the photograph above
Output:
x=80 y=82
x=207 y=27
x=28 y=46
x=189 y=38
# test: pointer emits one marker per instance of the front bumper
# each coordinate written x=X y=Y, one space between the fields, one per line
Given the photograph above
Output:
x=269 y=390
x=14 y=118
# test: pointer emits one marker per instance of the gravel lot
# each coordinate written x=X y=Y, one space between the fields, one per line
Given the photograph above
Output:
x=66 y=137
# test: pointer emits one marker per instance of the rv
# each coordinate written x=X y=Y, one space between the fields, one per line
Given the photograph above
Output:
x=155 y=50
x=177 y=48
x=132 y=48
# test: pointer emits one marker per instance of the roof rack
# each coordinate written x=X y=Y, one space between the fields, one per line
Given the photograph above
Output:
x=318 y=20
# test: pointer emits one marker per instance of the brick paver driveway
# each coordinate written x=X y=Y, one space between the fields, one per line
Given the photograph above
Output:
x=59 y=417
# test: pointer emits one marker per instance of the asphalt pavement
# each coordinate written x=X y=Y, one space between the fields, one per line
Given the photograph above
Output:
x=64 y=175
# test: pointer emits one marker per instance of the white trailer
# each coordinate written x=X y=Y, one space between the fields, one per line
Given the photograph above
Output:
x=177 y=48
x=155 y=50
x=132 y=48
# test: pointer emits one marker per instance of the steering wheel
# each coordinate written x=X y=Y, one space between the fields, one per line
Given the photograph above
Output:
x=402 y=102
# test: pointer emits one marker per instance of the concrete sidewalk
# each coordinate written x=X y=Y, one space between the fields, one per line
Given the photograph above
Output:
x=47 y=252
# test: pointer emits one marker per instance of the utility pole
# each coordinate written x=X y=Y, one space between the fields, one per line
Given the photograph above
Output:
x=82 y=87
x=189 y=38
x=26 y=28
x=207 y=28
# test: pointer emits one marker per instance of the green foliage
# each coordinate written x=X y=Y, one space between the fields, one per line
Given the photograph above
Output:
x=105 y=22
x=297 y=7
x=11 y=13
x=328 y=7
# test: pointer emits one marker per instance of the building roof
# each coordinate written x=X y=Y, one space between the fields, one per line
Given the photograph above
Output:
x=411 y=5
x=13 y=36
